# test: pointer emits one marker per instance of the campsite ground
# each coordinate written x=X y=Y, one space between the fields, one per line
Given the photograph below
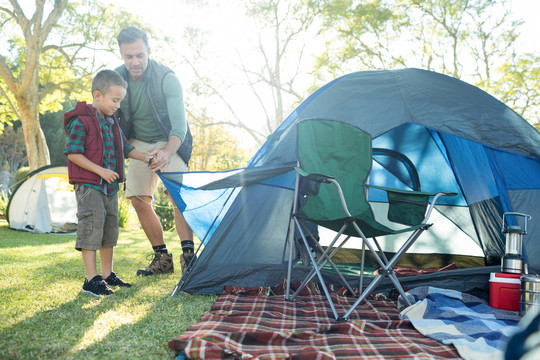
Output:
x=44 y=315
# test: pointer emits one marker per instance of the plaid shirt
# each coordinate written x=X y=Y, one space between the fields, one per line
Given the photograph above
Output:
x=75 y=145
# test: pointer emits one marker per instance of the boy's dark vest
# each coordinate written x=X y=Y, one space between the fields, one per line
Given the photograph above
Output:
x=155 y=73
x=93 y=145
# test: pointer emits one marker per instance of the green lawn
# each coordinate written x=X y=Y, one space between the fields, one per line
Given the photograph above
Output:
x=44 y=315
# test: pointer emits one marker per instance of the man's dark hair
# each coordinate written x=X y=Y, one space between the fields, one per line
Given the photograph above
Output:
x=131 y=34
x=105 y=79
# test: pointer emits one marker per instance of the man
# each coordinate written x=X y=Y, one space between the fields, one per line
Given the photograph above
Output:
x=152 y=117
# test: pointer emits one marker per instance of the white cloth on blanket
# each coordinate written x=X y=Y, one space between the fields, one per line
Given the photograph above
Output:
x=477 y=330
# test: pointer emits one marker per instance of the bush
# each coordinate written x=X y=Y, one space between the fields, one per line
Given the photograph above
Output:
x=4 y=199
x=21 y=174
x=164 y=209
x=126 y=214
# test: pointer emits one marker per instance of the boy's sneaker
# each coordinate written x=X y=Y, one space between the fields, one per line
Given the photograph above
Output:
x=161 y=264
x=187 y=260
x=96 y=287
x=114 y=280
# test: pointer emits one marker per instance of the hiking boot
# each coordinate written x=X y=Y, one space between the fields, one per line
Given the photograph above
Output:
x=161 y=264
x=114 y=280
x=96 y=287
x=187 y=260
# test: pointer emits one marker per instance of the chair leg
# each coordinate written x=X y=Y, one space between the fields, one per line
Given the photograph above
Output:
x=289 y=265
x=324 y=259
x=386 y=269
x=361 y=284
x=319 y=275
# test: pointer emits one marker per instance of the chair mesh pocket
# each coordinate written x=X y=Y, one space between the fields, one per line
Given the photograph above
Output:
x=407 y=209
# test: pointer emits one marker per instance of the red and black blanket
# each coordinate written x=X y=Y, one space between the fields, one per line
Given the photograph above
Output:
x=268 y=327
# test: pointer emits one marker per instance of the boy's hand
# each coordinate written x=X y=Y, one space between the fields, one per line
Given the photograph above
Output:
x=109 y=175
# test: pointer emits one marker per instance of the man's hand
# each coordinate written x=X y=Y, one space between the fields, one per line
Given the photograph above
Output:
x=159 y=159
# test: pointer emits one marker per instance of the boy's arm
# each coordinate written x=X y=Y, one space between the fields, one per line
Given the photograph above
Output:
x=82 y=161
x=137 y=155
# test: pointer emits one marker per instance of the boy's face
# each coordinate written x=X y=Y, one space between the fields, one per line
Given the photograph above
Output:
x=135 y=56
x=106 y=104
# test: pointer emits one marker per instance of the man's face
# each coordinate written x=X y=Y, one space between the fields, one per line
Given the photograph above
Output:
x=135 y=56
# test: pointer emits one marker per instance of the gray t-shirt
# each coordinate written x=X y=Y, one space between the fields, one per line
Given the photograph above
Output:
x=144 y=125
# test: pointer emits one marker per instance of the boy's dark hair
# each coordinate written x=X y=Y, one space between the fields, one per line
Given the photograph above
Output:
x=105 y=79
x=131 y=34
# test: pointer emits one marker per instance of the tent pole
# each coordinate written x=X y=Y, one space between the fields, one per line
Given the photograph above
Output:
x=291 y=236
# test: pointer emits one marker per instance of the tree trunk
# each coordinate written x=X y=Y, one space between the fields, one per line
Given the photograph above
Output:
x=36 y=146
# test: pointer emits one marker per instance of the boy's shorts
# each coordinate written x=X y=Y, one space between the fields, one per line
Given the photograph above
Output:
x=97 y=215
x=140 y=180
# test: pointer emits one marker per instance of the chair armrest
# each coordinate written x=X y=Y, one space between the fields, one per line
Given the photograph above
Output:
x=411 y=192
x=315 y=177
x=410 y=207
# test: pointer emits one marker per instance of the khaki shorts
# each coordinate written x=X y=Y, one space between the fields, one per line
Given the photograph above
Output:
x=140 y=180
x=97 y=215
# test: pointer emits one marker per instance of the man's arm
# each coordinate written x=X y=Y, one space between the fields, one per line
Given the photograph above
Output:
x=172 y=90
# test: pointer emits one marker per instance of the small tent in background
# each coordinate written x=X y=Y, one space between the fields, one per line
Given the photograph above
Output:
x=44 y=202
x=453 y=136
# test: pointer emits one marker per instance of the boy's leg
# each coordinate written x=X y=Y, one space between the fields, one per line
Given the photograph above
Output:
x=93 y=284
x=106 y=255
x=89 y=261
x=110 y=277
x=110 y=240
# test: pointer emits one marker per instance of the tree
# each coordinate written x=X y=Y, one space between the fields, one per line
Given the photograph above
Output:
x=288 y=25
x=473 y=40
x=273 y=67
x=48 y=55
x=12 y=148
x=211 y=152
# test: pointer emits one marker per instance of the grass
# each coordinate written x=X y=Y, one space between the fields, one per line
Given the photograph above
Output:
x=44 y=315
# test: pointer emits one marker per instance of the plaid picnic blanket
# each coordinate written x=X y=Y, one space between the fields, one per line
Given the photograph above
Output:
x=477 y=330
x=268 y=327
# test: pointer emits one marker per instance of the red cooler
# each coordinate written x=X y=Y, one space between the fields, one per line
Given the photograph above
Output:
x=505 y=291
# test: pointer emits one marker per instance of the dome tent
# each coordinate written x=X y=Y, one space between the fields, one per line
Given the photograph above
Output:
x=43 y=202
x=458 y=138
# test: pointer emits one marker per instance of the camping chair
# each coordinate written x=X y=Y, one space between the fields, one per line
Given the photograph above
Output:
x=334 y=162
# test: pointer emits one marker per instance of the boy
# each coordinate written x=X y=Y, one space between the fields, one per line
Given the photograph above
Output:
x=95 y=149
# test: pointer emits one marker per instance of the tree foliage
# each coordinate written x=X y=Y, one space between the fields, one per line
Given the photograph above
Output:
x=52 y=49
x=473 y=40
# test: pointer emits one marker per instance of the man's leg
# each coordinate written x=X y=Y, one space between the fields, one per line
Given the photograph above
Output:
x=141 y=185
x=162 y=262
x=186 y=238
x=148 y=219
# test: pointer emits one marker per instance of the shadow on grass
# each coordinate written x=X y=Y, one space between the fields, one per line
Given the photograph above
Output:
x=46 y=317
x=148 y=338
x=48 y=334
x=16 y=238
x=133 y=323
